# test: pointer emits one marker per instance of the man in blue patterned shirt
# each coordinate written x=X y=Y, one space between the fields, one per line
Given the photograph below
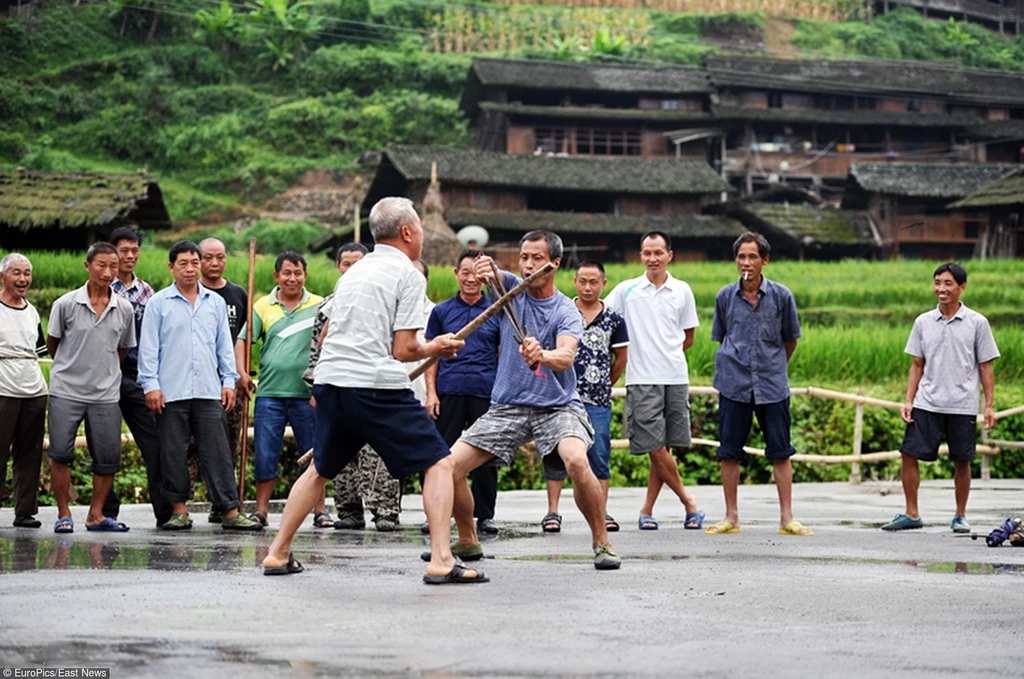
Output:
x=600 y=361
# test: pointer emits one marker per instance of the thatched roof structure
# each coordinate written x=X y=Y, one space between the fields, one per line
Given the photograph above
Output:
x=58 y=200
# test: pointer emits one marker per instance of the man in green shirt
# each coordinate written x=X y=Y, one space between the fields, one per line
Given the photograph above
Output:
x=283 y=321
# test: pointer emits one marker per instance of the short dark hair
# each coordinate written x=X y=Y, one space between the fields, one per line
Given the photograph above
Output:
x=426 y=267
x=125 y=233
x=958 y=273
x=180 y=247
x=552 y=239
x=349 y=247
x=763 y=248
x=289 y=256
x=472 y=253
x=592 y=263
x=100 y=248
x=657 y=234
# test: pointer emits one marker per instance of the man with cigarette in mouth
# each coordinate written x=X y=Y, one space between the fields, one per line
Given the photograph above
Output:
x=757 y=327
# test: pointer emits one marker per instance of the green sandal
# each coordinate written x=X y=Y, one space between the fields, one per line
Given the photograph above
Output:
x=178 y=522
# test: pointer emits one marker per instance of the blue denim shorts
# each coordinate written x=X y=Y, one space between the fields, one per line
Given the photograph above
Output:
x=599 y=454
x=269 y=419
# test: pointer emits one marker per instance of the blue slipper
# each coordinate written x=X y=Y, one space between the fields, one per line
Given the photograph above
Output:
x=65 y=525
x=109 y=525
x=647 y=522
x=694 y=520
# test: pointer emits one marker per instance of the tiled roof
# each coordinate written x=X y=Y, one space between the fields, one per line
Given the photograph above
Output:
x=925 y=180
x=1004 y=192
x=620 y=175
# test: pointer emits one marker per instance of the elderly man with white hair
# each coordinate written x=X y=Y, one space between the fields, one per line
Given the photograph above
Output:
x=22 y=388
x=364 y=396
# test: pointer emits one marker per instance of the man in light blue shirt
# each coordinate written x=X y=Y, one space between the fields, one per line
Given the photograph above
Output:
x=187 y=371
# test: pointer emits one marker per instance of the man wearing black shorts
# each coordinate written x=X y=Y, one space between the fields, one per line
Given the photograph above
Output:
x=364 y=396
x=953 y=350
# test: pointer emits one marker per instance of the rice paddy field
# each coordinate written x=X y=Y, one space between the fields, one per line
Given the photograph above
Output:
x=856 y=315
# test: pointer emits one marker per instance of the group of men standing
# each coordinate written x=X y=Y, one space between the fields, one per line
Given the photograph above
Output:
x=170 y=363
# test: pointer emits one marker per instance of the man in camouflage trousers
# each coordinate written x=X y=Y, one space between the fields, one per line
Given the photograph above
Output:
x=366 y=478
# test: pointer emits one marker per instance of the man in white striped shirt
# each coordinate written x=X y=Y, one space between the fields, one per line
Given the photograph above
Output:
x=363 y=393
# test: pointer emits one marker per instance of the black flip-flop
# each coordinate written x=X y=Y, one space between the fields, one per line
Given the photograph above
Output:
x=456 y=576
x=293 y=566
x=259 y=518
x=610 y=524
x=551 y=523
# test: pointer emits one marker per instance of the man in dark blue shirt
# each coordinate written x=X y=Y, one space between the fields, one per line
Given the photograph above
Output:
x=757 y=325
x=459 y=389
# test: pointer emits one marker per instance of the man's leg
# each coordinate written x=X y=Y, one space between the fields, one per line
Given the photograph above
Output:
x=783 y=470
x=554 y=487
x=269 y=419
x=962 y=482
x=484 y=478
x=775 y=420
x=173 y=427
x=142 y=424
x=383 y=492
x=438 y=491
x=301 y=500
x=730 y=485
x=734 y=421
x=26 y=452
x=348 y=500
x=664 y=464
x=466 y=458
x=103 y=437
x=586 y=489
x=209 y=425
x=911 y=476
x=63 y=419
x=302 y=417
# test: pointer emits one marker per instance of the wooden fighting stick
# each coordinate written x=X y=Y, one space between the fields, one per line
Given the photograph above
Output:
x=473 y=325
x=246 y=358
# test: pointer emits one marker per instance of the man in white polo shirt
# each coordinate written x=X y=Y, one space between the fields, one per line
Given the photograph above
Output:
x=661 y=315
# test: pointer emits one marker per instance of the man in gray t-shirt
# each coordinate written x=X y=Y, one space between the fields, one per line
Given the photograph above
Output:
x=953 y=350
x=534 y=398
x=89 y=332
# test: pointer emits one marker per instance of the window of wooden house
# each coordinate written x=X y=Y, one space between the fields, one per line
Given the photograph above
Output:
x=866 y=103
x=551 y=139
x=775 y=100
x=608 y=142
x=1017 y=114
x=914 y=105
x=971 y=229
x=669 y=104
x=844 y=103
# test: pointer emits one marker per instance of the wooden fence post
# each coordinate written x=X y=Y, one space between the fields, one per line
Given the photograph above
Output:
x=858 y=438
x=986 y=460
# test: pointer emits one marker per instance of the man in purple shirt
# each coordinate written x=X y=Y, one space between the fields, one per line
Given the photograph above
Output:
x=757 y=325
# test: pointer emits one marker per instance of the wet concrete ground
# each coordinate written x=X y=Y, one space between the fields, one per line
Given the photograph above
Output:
x=850 y=601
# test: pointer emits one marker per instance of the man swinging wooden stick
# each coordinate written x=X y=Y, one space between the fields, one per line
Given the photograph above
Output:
x=363 y=393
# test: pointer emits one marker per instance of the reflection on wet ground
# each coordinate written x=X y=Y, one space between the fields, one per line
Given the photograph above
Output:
x=192 y=551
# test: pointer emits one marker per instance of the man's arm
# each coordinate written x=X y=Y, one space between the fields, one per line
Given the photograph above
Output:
x=988 y=387
x=244 y=383
x=688 y=339
x=226 y=360
x=433 y=404
x=149 y=357
x=560 y=359
x=51 y=345
x=619 y=357
x=406 y=347
x=913 y=381
x=790 y=348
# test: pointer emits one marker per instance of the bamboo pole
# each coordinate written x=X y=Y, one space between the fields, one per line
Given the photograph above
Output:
x=246 y=361
x=858 y=439
x=356 y=223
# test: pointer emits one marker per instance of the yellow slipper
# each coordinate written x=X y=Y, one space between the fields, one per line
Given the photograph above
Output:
x=724 y=526
x=796 y=528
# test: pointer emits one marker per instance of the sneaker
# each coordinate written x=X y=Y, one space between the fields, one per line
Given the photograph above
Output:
x=178 y=522
x=425 y=528
x=240 y=522
x=605 y=559
x=486 y=526
x=903 y=522
x=960 y=525
x=385 y=525
x=26 y=522
x=215 y=516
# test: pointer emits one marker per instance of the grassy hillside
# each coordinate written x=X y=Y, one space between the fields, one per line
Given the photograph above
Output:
x=229 y=106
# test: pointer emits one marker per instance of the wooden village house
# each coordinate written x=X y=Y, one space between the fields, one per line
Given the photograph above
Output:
x=66 y=211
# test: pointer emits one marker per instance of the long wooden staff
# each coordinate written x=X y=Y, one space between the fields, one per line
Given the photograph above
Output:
x=498 y=305
x=246 y=359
